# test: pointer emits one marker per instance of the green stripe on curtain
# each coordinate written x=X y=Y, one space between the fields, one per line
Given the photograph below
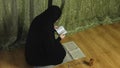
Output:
x=16 y=16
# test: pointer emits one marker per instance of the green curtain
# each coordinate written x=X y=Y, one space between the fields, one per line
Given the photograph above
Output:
x=82 y=14
x=15 y=19
x=16 y=16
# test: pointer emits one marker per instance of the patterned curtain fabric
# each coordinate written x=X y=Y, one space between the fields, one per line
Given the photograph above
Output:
x=16 y=15
x=81 y=14
x=15 y=19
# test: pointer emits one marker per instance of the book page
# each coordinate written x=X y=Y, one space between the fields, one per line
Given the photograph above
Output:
x=70 y=46
x=76 y=54
x=73 y=51
x=61 y=30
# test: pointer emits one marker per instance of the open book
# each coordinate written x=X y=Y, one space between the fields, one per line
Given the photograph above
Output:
x=61 y=30
x=73 y=52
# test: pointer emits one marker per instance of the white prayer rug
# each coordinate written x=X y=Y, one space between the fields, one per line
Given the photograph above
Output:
x=73 y=52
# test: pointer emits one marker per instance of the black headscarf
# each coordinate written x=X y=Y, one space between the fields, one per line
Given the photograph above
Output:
x=41 y=46
x=48 y=17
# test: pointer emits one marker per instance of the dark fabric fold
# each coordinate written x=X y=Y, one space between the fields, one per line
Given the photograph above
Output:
x=41 y=46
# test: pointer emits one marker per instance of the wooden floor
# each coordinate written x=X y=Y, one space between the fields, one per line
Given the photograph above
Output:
x=102 y=43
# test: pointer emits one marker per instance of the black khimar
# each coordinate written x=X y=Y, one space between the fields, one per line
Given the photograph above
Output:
x=41 y=46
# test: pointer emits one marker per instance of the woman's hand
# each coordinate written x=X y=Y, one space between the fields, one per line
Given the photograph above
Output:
x=62 y=36
x=56 y=27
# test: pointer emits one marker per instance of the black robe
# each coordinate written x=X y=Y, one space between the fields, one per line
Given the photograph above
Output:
x=41 y=46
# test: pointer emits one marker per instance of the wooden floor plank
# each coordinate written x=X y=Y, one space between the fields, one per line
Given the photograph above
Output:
x=102 y=43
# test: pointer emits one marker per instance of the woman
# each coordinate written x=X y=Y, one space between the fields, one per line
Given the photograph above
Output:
x=42 y=49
